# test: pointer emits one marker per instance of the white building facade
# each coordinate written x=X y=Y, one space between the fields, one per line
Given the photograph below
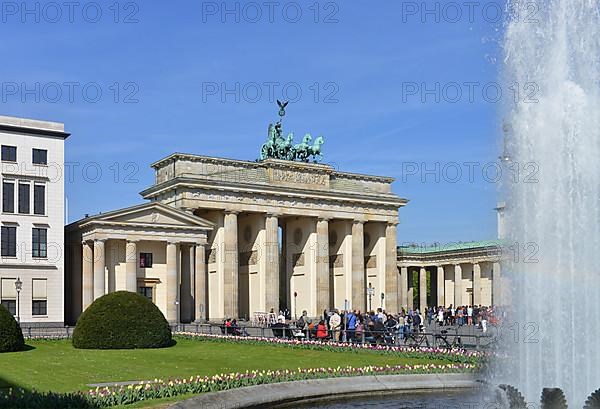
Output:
x=32 y=220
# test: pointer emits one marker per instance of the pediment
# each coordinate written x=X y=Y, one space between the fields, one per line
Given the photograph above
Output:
x=155 y=214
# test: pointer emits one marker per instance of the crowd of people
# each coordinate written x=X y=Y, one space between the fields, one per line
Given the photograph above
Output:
x=376 y=326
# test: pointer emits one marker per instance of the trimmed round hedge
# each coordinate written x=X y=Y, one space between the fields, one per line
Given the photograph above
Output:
x=122 y=320
x=11 y=336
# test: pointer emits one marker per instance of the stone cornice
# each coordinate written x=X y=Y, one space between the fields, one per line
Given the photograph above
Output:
x=178 y=182
x=270 y=163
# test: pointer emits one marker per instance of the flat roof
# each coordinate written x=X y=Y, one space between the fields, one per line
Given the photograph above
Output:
x=33 y=126
x=441 y=248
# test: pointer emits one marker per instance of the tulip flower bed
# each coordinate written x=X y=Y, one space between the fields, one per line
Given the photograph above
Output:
x=158 y=388
x=452 y=355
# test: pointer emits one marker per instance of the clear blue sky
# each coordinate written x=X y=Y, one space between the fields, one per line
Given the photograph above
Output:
x=360 y=55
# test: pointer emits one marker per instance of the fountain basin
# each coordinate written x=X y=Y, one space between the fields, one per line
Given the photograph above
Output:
x=318 y=390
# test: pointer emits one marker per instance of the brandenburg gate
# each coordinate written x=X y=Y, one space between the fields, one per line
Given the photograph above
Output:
x=287 y=234
x=222 y=238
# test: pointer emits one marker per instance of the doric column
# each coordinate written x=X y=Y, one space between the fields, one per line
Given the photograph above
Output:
x=391 y=269
x=440 y=286
x=87 y=272
x=497 y=285
x=457 y=285
x=358 y=267
x=200 y=283
x=272 y=262
x=476 y=284
x=186 y=280
x=231 y=267
x=99 y=268
x=404 y=288
x=422 y=289
x=172 y=282
x=322 y=265
x=131 y=265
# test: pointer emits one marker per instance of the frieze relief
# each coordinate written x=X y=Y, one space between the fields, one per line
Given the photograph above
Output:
x=308 y=203
x=298 y=260
x=371 y=262
x=295 y=177
x=336 y=261
x=211 y=256
x=248 y=258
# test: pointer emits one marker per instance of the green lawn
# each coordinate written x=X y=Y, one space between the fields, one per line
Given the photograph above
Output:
x=57 y=366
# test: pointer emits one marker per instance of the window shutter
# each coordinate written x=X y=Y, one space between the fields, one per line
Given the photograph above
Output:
x=9 y=292
x=39 y=289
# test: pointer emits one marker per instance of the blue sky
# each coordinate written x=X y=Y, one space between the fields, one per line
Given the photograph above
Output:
x=369 y=61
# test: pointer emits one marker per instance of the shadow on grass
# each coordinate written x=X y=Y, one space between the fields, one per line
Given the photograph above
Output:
x=16 y=396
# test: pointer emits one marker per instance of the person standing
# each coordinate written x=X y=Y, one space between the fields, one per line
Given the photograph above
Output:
x=335 y=322
x=351 y=326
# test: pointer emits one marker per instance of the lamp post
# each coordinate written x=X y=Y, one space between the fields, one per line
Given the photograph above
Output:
x=382 y=297
x=18 y=287
x=370 y=293
x=295 y=306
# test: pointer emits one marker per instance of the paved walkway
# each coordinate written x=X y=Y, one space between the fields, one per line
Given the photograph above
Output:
x=318 y=389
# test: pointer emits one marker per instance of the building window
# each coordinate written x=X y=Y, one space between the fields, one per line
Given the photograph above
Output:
x=8 y=294
x=9 y=153
x=8 y=241
x=39 y=305
x=146 y=292
x=23 y=198
x=145 y=260
x=39 y=199
x=8 y=197
x=40 y=157
x=39 y=243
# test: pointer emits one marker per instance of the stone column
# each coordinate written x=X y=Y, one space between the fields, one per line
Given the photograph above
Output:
x=440 y=286
x=186 y=280
x=457 y=285
x=358 y=267
x=231 y=266
x=272 y=263
x=131 y=265
x=422 y=289
x=476 y=284
x=200 y=283
x=172 y=282
x=404 y=288
x=87 y=272
x=391 y=269
x=322 y=265
x=99 y=268
x=497 y=296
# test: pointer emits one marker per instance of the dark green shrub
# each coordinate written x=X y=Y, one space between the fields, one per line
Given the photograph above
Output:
x=11 y=336
x=122 y=320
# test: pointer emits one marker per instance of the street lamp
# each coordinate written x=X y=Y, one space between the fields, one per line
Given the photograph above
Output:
x=370 y=293
x=295 y=306
x=382 y=297
x=18 y=287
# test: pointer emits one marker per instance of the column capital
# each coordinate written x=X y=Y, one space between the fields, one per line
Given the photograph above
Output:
x=395 y=223
x=172 y=241
x=358 y=221
x=273 y=214
x=132 y=241
x=231 y=212
x=324 y=219
x=100 y=241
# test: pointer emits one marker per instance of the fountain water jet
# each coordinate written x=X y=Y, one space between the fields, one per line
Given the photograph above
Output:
x=553 y=207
